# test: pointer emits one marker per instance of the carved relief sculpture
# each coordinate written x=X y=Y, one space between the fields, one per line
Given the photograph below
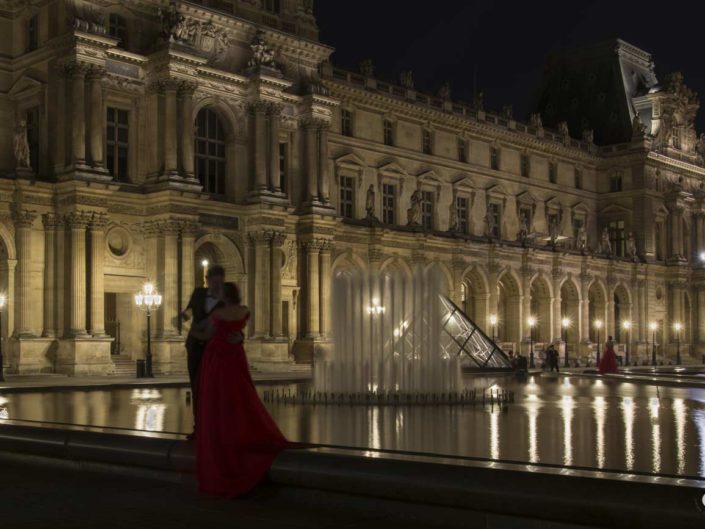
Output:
x=606 y=244
x=631 y=246
x=262 y=54
x=21 y=146
x=370 y=203
x=413 y=214
x=523 y=235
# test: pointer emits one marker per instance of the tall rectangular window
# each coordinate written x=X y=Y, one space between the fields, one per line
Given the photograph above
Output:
x=494 y=158
x=284 y=167
x=117 y=134
x=462 y=150
x=117 y=28
x=388 y=133
x=578 y=176
x=389 y=203
x=346 y=122
x=347 y=194
x=427 y=203
x=462 y=209
x=33 y=33
x=659 y=240
x=525 y=168
x=495 y=212
x=426 y=139
x=616 y=182
x=552 y=172
x=617 y=237
x=273 y=6
x=32 y=121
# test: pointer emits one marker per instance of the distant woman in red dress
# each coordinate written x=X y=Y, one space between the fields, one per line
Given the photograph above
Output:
x=237 y=440
x=608 y=363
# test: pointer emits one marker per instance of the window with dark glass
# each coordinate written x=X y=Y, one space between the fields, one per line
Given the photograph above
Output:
x=462 y=209
x=346 y=122
x=525 y=165
x=578 y=176
x=284 y=166
x=462 y=150
x=210 y=152
x=117 y=28
x=32 y=122
x=117 y=143
x=388 y=134
x=273 y=6
x=33 y=33
x=616 y=182
x=659 y=241
x=389 y=201
x=347 y=191
x=552 y=172
x=617 y=237
x=426 y=138
x=427 y=201
x=494 y=158
x=496 y=213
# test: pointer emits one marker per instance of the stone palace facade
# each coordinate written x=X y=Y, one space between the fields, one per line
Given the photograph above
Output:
x=143 y=137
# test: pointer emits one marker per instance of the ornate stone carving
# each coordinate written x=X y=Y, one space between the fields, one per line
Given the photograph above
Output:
x=606 y=244
x=564 y=132
x=86 y=18
x=582 y=241
x=289 y=271
x=413 y=214
x=50 y=221
x=444 y=91
x=23 y=218
x=21 y=146
x=99 y=221
x=536 y=121
x=588 y=136
x=262 y=53
x=78 y=219
x=638 y=128
x=631 y=246
x=367 y=68
x=370 y=203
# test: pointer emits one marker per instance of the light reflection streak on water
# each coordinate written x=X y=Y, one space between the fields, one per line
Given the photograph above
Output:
x=600 y=431
x=679 y=413
x=628 y=414
x=532 y=409
x=373 y=438
x=699 y=419
x=567 y=412
x=655 y=434
x=150 y=409
x=494 y=434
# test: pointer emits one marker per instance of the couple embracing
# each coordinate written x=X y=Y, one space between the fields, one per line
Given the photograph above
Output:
x=236 y=438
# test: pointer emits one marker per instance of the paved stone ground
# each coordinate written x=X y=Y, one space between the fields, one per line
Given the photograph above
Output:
x=36 y=497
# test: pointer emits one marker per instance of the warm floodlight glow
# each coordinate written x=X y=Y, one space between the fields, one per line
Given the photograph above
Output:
x=493 y=319
x=598 y=324
x=565 y=322
x=531 y=321
x=204 y=263
x=678 y=327
x=3 y=301
x=653 y=326
x=626 y=325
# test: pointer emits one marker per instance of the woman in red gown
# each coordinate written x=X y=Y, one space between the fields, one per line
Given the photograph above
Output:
x=608 y=363
x=236 y=438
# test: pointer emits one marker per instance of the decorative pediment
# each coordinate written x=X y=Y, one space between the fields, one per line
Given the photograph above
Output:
x=463 y=182
x=614 y=209
x=661 y=211
x=580 y=208
x=526 y=198
x=25 y=86
x=496 y=191
x=553 y=204
x=393 y=170
x=351 y=162
x=429 y=177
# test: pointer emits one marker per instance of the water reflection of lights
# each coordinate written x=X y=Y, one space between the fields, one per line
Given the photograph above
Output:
x=532 y=408
x=4 y=414
x=494 y=434
x=150 y=411
x=567 y=411
x=655 y=434
x=699 y=419
x=679 y=412
x=628 y=415
x=600 y=430
x=373 y=437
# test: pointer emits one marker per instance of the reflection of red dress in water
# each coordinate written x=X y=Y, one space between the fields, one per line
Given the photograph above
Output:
x=608 y=362
x=237 y=440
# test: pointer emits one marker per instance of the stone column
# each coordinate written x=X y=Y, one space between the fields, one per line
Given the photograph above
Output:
x=324 y=303
x=311 y=250
x=186 y=91
x=494 y=291
x=77 y=222
x=312 y=161
x=261 y=242
x=275 y=184
x=188 y=237
x=95 y=78
x=644 y=312
x=170 y=129
x=556 y=328
x=259 y=111
x=701 y=315
x=323 y=180
x=584 y=308
x=275 y=272
x=169 y=286
x=23 y=240
x=97 y=239
x=50 y=224
x=62 y=282
x=526 y=306
x=77 y=73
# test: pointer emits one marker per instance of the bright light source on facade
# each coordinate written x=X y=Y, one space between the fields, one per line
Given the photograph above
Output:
x=3 y=301
x=493 y=319
x=565 y=322
x=598 y=324
x=204 y=263
x=627 y=324
x=678 y=326
x=653 y=326
x=531 y=321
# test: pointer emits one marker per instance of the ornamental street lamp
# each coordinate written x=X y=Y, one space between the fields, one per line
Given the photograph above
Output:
x=653 y=326
x=148 y=300
x=565 y=323
x=204 y=265
x=627 y=326
x=678 y=327
x=598 y=326
x=3 y=302
x=532 y=323
x=493 y=323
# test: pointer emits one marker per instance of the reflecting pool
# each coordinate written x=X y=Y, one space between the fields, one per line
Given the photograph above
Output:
x=574 y=421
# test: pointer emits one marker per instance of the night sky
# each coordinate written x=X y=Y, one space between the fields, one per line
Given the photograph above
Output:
x=504 y=44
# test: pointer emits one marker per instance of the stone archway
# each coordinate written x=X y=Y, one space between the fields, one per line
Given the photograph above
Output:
x=475 y=298
x=541 y=308
x=7 y=279
x=622 y=313
x=219 y=250
x=597 y=310
x=570 y=310
x=509 y=309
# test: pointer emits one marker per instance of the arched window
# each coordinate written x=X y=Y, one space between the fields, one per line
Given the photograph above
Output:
x=210 y=152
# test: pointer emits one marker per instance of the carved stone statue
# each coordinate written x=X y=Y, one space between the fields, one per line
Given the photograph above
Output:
x=174 y=25
x=21 y=146
x=582 y=239
x=453 y=216
x=507 y=112
x=536 y=121
x=444 y=91
x=370 y=203
x=413 y=214
x=262 y=54
x=563 y=130
x=631 y=245
x=406 y=78
x=638 y=128
x=553 y=231
x=367 y=68
x=588 y=135
x=479 y=101
x=606 y=244
x=490 y=224
x=700 y=147
x=523 y=227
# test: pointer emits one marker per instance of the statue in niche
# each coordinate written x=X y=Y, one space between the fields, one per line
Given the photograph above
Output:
x=638 y=128
x=631 y=246
x=606 y=244
x=491 y=224
x=21 y=145
x=523 y=227
x=582 y=239
x=262 y=54
x=174 y=26
x=370 y=203
x=367 y=68
x=453 y=216
x=413 y=214
x=700 y=147
x=406 y=78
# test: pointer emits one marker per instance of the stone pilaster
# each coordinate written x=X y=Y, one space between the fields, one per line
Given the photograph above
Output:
x=311 y=141
x=51 y=222
x=258 y=115
x=186 y=91
x=169 y=284
x=188 y=237
x=323 y=176
x=77 y=73
x=585 y=308
x=97 y=240
x=260 y=241
x=23 y=240
x=325 y=283
x=77 y=223
x=275 y=310
x=97 y=121
x=313 y=317
x=171 y=168
x=557 y=315
x=274 y=115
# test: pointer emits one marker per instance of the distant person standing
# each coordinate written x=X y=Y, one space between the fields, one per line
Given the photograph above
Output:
x=608 y=363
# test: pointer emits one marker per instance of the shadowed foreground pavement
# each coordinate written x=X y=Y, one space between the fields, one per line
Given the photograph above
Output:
x=41 y=497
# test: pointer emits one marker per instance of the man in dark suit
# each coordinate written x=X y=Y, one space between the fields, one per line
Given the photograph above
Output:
x=204 y=300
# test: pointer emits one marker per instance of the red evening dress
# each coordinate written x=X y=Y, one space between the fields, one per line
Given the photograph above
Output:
x=608 y=362
x=237 y=440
